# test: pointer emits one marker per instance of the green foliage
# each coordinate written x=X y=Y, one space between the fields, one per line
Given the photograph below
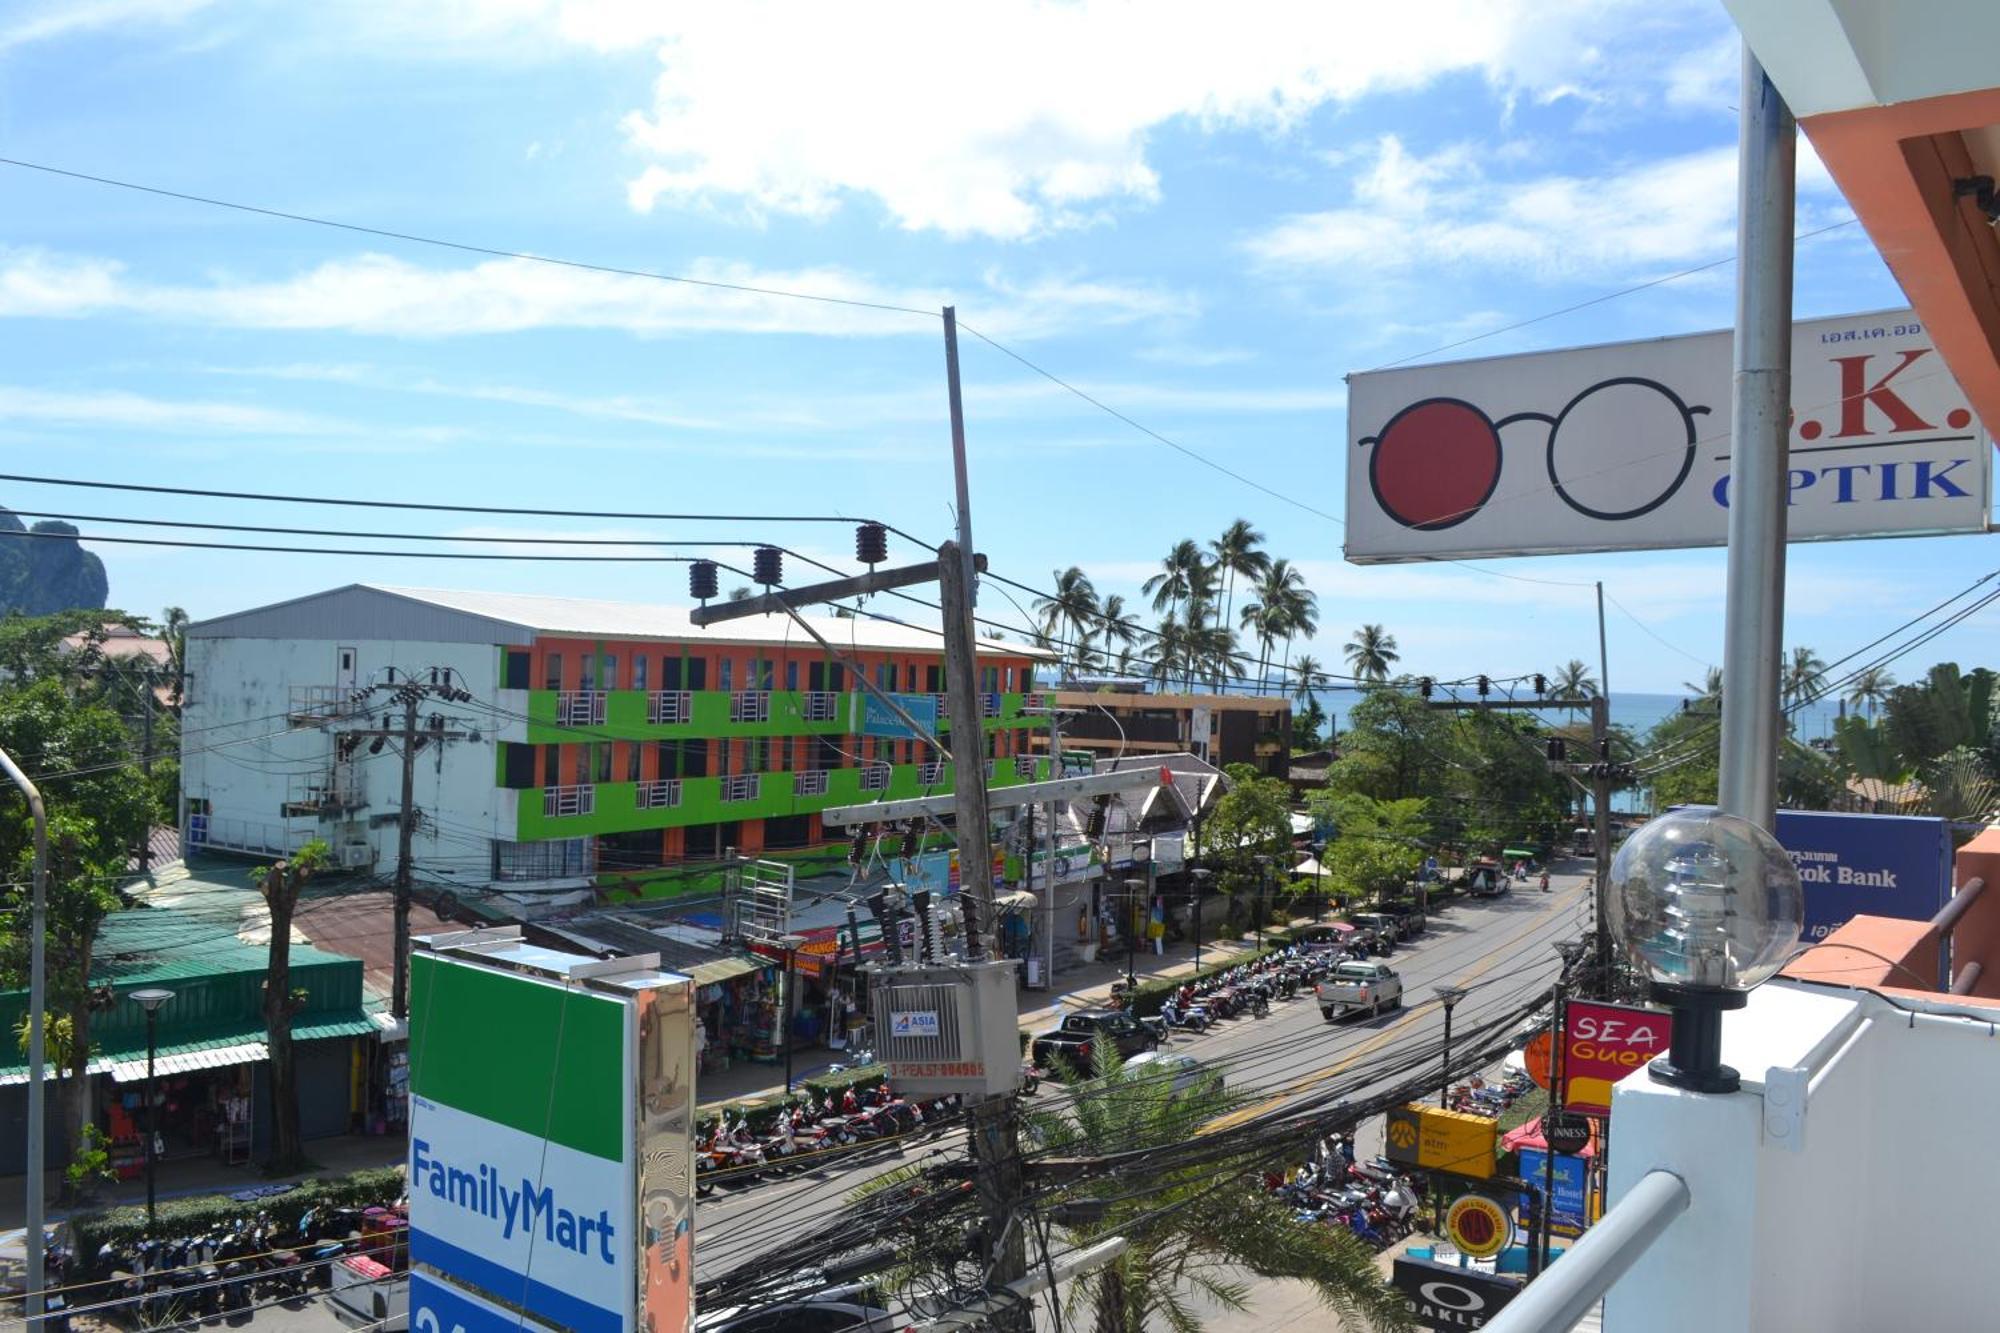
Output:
x=1378 y=845
x=90 y=1163
x=1866 y=750
x=1958 y=786
x=1253 y=818
x=124 y=1226
x=1306 y=723
x=1948 y=711
x=1190 y=1230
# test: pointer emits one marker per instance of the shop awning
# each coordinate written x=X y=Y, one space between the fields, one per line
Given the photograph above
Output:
x=1020 y=900
x=13 y=1075
x=188 y=1058
x=724 y=969
x=325 y=1029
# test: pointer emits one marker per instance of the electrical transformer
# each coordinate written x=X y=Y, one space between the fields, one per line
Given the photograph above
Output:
x=947 y=1028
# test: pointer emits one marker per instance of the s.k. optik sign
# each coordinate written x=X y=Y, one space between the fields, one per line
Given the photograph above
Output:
x=1626 y=446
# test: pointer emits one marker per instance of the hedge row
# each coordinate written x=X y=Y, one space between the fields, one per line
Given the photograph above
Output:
x=761 y=1112
x=125 y=1226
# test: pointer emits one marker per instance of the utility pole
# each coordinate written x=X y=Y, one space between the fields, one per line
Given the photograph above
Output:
x=146 y=767
x=409 y=692
x=34 y=1283
x=1600 y=801
x=1760 y=427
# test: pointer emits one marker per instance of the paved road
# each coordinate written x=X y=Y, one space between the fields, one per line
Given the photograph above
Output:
x=1502 y=947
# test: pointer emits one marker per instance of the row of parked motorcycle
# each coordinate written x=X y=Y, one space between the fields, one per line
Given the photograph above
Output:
x=1375 y=1200
x=1490 y=1099
x=169 y=1281
x=1250 y=988
x=727 y=1151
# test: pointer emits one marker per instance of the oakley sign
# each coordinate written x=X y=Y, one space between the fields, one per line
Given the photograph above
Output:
x=1446 y=1297
x=1626 y=446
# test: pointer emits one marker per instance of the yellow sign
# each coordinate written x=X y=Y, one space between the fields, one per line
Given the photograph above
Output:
x=1478 y=1226
x=1434 y=1139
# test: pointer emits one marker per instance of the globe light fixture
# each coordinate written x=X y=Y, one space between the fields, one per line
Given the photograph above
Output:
x=1708 y=906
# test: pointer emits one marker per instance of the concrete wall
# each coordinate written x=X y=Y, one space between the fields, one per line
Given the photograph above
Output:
x=1873 y=1223
x=238 y=753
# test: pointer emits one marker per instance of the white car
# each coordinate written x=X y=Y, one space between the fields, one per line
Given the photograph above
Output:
x=1184 y=1070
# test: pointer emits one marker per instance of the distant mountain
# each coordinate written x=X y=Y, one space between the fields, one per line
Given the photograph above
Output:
x=43 y=575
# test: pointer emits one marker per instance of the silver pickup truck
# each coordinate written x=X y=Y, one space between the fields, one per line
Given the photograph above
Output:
x=1359 y=985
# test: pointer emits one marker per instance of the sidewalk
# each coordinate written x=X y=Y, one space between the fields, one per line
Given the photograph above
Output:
x=1077 y=988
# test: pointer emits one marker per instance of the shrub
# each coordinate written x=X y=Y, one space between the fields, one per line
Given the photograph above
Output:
x=124 y=1226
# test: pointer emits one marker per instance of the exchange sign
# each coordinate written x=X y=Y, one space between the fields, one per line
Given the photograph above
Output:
x=551 y=1138
x=1435 y=1139
x=1479 y=1226
x=1626 y=446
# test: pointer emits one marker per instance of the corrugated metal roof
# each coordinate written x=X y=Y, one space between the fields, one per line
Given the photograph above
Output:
x=440 y=615
x=325 y=1029
x=187 y=1058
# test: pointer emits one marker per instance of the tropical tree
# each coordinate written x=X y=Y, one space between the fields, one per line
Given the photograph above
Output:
x=1371 y=652
x=1117 y=625
x=1182 y=572
x=1238 y=551
x=1958 y=787
x=1172 y=651
x=1069 y=613
x=1309 y=676
x=280 y=884
x=1870 y=689
x=1216 y=658
x=1266 y=623
x=1190 y=1232
x=173 y=629
x=1283 y=586
x=1804 y=678
x=1710 y=687
x=1574 y=681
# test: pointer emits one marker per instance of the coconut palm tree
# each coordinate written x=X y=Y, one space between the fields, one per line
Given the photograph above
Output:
x=1217 y=659
x=1171 y=644
x=1265 y=622
x=1574 y=681
x=1371 y=652
x=1190 y=1231
x=173 y=628
x=1871 y=689
x=1116 y=624
x=1804 y=677
x=1236 y=552
x=1308 y=676
x=1300 y=603
x=1710 y=687
x=1068 y=613
x=1180 y=574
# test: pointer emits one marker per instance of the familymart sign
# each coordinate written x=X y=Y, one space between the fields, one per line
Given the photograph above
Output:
x=539 y=1084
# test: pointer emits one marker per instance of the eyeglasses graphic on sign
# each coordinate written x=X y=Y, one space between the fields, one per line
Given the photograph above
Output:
x=913 y=1023
x=1437 y=461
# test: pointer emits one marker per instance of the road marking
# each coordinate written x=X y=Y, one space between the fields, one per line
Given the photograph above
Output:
x=1231 y=1119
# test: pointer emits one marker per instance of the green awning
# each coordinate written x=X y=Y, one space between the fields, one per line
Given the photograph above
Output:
x=322 y=1027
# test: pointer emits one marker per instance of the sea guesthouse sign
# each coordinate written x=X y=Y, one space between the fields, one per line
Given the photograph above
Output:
x=1625 y=446
x=1604 y=1043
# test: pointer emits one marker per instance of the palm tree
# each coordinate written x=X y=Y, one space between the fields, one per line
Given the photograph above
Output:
x=1118 y=626
x=1871 y=689
x=1170 y=650
x=1804 y=677
x=1216 y=658
x=1287 y=587
x=1574 y=681
x=1236 y=552
x=1183 y=569
x=1371 y=653
x=1267 y=622
x=1310 y=676
x=1189 y=1230
x=1069 y=614
x=1710 y=687
x=173 y=628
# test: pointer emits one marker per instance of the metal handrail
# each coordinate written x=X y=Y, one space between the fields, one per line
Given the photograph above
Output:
x=1961 y=903
x=1555 y=1301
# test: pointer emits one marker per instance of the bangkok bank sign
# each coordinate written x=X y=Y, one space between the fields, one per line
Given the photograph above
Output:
x=1626 y=446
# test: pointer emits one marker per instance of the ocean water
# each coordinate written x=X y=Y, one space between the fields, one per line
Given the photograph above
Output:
x=1637 y=713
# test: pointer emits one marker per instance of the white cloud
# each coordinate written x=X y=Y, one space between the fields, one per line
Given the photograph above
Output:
x=1017 y=117
x=66 y=18
x=116 y=408
x=1177 y=354
x=1411 y=212
x=1709 y=78
x=380 y=294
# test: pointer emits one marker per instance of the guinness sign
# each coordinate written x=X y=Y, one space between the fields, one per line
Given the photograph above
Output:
x=1442 y=1296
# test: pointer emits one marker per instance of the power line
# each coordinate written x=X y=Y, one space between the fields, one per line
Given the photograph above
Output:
x=491 y=252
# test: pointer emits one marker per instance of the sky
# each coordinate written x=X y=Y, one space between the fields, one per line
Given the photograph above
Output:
x=1203 y=222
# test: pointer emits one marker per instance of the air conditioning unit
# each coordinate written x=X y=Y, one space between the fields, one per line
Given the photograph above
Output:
x=945 y=1029
x=357 y=855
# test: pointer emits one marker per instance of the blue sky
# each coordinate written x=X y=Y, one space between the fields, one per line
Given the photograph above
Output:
x=1206 y=224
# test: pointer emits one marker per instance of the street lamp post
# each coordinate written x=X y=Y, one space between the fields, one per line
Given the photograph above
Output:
x=151 y=998
x=1448 y=996
x=1263 y=887
x=788 y=1011
x=1200 y=875
x=1319 y=882
x=1133 y=888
